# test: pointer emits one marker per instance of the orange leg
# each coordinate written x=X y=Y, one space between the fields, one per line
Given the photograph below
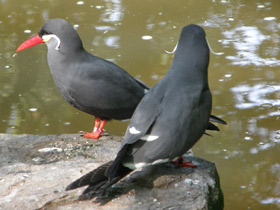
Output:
x=96 y=124
x=102 y=124
x=180 y=162
x=97 y=129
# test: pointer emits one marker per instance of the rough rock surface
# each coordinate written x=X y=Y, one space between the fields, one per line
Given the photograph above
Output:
x=34 y=171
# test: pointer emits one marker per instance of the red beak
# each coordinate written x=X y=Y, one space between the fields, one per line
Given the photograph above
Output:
x=30 y=42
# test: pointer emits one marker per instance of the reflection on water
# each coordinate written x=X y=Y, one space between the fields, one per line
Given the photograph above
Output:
x=248 y=97
x=12 y=119
x=113 y=11
x=245 y=81
x=247 y=41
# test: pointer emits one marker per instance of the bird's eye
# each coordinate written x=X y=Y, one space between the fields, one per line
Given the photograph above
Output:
x=43 y=32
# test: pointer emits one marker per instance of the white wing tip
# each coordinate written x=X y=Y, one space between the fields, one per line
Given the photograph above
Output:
x=133 y=130
x=149 y=138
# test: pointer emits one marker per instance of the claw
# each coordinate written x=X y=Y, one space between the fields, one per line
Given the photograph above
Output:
x=93 y=135
x=187 y=164
x=97 y=130
x=180 y=162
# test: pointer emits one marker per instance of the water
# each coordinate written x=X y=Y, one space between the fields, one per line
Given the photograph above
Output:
x=135 y=34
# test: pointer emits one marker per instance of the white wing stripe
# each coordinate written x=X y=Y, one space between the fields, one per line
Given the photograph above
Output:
x=133 y=130
x=142 y=164
x=149 y=138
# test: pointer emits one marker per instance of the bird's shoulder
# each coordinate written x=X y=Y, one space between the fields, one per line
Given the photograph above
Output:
x=100 y=70
x=144 y=116
x=96 y=65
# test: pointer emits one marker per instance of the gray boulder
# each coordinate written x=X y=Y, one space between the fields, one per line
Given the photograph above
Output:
x=34 y=171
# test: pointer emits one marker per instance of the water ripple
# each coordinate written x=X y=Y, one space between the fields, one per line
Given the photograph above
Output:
x=248 y=96
x=247 y=41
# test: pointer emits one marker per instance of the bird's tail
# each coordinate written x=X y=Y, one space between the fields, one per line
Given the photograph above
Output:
x=217 y=120
x=213 y=127
x=97 y=181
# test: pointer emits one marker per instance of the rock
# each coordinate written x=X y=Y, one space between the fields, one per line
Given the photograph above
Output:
x=34 y=171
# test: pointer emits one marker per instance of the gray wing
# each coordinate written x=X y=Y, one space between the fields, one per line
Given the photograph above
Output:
x=105 y=89
x=175 y=130
x=144 y=117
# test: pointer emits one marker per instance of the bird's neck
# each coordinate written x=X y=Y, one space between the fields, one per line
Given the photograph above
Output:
x=190 y=64
x=190 y=72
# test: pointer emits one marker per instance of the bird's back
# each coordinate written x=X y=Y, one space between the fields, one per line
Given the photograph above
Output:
x=97 y=86
x=182 y=119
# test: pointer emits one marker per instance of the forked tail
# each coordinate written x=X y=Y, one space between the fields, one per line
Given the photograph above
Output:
x=97 y=181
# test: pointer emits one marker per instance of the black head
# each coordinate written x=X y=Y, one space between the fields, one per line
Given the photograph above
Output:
x=192 y=30
x=192 y=41
x=64 y=37
x=191 y=57
x=192 y=49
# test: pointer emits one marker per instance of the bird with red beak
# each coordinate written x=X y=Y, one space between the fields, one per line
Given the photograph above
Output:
x=89 y=83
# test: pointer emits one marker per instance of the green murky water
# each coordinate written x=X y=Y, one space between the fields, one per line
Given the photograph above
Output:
x=245 y=81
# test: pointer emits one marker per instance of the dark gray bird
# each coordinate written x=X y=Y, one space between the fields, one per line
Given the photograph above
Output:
x=168 y=121
x=89 y=83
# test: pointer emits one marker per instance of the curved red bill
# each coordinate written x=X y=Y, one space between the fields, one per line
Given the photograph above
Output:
x=30 y=42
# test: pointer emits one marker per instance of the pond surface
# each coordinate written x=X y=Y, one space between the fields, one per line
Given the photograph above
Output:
x=245 y=80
